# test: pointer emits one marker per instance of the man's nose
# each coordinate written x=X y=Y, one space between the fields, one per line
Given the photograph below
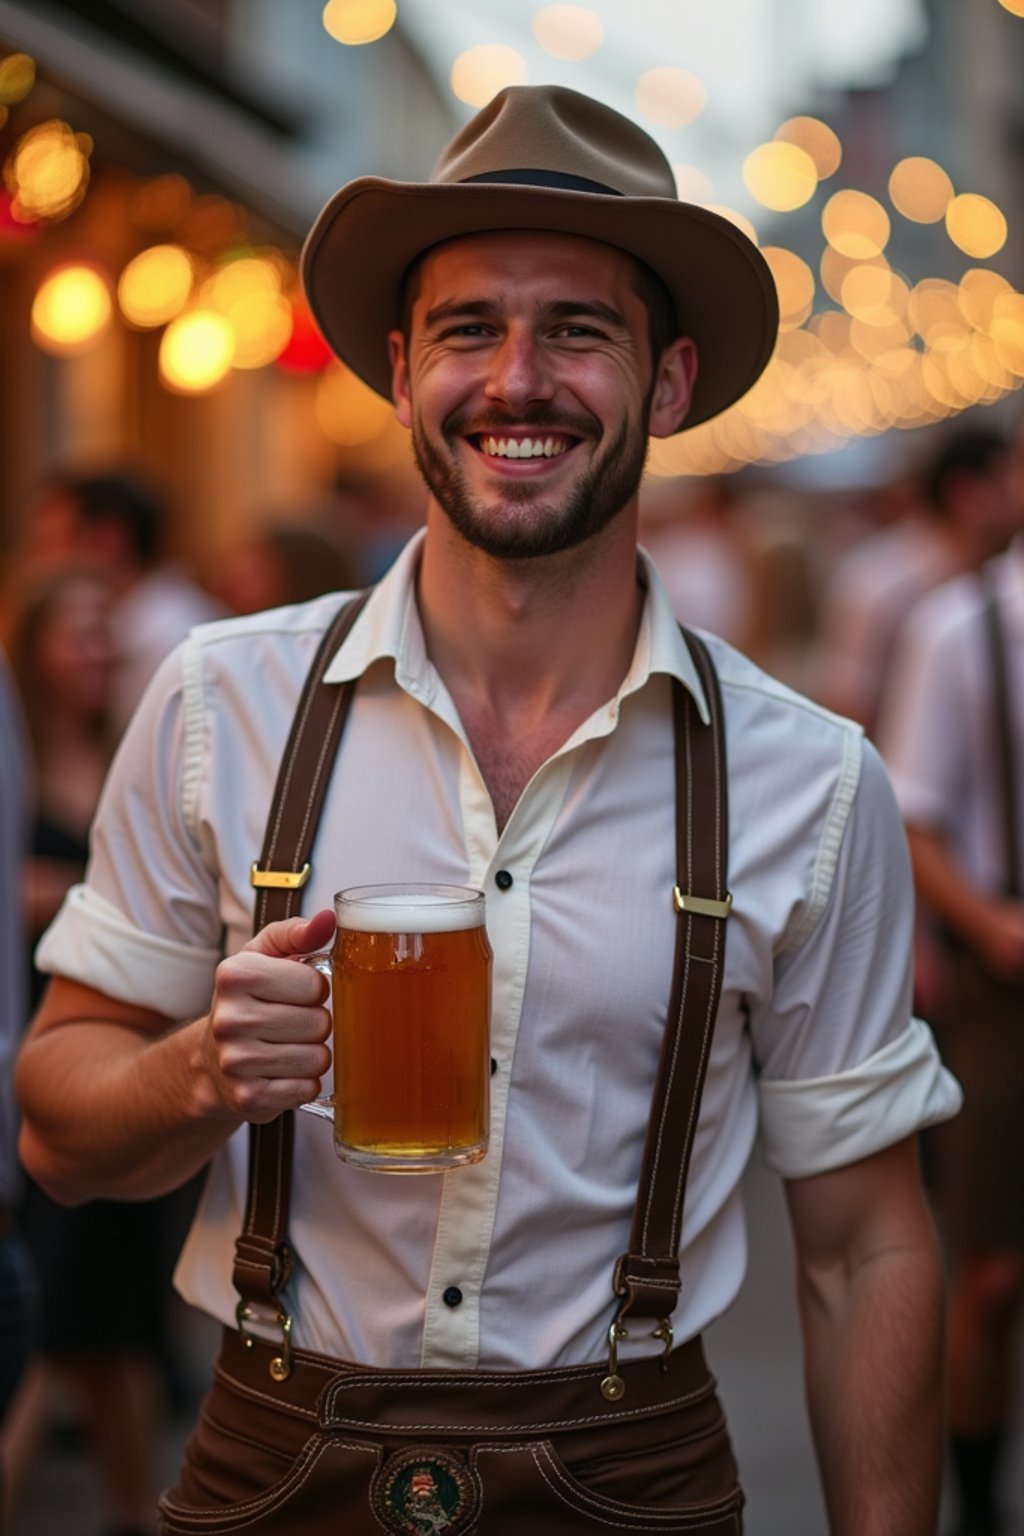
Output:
x=519 y=371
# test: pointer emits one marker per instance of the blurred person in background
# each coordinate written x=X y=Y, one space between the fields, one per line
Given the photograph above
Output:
x=954 y=516
x=18 y=1295
x=952 y=732
x=119 y=523
x=103 y=1267
x=284 y=562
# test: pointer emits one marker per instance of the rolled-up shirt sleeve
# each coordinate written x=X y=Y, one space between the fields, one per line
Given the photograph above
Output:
x=844 y=1068
x=144 y=928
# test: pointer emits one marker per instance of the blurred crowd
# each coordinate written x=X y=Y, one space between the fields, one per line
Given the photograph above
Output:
x=864 y=602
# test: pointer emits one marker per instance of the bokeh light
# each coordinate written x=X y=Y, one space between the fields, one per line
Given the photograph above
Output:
x=978 y=291
x=355 y=22
x=71 y=309
x=17 y=77
x=48 y=171
x=671 y=97
x=735 y=217
x=162 y=203
x=1015 y=7
x=794 y=283
x=196 y=351
x=816 y=139
x=976 y=225
x=920 y=189
x=692 y=185
x=155 y=285
x=480 y=73
x=780 y=176
x=568 y=31
x=347 y=410
x=856 y=224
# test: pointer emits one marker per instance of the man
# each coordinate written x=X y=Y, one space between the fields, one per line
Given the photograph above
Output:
x=958 y=781
x=536 y=310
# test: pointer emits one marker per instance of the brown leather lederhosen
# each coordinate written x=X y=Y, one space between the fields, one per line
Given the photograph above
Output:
x=290 y=1443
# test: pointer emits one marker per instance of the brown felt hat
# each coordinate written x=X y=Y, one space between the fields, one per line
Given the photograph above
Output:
x=542 y=157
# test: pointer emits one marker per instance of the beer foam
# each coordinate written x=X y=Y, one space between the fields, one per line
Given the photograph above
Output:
x=404 y=909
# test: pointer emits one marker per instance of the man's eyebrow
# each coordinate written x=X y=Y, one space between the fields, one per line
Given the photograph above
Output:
x=488 y=309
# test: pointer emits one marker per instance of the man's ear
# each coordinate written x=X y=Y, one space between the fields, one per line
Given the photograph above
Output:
x=399 y=377
x=675 y=377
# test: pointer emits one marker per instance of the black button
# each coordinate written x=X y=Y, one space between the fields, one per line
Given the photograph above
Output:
x=452 y=1296
x=503 y=880
x=494 y=1066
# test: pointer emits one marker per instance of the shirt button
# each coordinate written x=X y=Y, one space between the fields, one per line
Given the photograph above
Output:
x=503 y=880
x=452 y=1296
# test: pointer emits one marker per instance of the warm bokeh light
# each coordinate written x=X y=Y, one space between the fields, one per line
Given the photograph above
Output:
x=71 y=310
x=920 y=189
x=934 y=308
x=1007 y=332
x=155 y=285
x=976 y=226
x=1015 y=7
x=262 y=323
x=780 y=176
x=670 y=97
x=568 y=31
x=979 y=289
x=480 y=73
x=359 y=21
x=856 y=224
x=816 y=139
x=48 y=171
x=17 y=77
x=196 y=351
x=834 y=268
x=871 y=293
x=162 y=203
x=692 y=185
x=794 y=283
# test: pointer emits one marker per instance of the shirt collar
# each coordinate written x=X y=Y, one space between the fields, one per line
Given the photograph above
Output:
x=389 y=628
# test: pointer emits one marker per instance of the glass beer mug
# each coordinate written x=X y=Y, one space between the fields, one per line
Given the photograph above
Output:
x=410 y=976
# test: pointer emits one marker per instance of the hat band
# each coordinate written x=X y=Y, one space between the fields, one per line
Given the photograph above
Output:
x=558 y=179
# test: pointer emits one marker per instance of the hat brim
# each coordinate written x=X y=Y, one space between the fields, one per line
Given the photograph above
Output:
x=370 y=232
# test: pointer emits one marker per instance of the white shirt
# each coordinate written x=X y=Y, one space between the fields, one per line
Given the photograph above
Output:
x=938 y=736
x=814 y=1036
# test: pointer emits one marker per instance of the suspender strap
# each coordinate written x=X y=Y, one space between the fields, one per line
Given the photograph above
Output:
x=263 y=1260
x=647 y=1277
x=1004 y=740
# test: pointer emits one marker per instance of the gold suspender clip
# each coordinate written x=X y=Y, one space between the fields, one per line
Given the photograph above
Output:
x=278 y=879
x=701 y=906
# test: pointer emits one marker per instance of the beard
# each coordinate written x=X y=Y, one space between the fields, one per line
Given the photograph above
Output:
x=520 y=524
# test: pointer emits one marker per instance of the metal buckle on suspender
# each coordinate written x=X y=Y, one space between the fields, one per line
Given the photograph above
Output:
x=612 y=1386
x=280 y=1365
x=701 y=906
x=278 y=879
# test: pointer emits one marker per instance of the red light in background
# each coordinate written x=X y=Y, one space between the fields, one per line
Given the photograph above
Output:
x=306 y=351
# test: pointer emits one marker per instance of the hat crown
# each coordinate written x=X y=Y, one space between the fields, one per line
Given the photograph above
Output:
x=549 y=129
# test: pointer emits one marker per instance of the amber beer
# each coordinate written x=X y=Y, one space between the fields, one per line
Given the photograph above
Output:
x=411 y=999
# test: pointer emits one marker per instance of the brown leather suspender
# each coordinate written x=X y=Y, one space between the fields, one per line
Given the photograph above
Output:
x=647 y=1277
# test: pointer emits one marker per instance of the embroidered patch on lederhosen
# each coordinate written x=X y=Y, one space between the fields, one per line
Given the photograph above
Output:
x=423 y=1492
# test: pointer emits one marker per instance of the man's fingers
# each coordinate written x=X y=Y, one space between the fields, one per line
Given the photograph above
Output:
x=294 y=936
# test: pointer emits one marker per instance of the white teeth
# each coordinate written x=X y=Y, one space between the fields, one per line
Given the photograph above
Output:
x=523 y=447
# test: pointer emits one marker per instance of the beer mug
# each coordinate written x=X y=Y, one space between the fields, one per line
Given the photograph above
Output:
x=410 y=975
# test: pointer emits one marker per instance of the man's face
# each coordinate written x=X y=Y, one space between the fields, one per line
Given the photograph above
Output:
x=528 y=386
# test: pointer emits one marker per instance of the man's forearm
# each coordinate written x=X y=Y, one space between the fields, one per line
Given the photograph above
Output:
x=106 y=1113
x=875 y=1384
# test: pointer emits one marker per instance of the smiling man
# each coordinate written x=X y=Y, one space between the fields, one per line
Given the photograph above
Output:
x=698 y=901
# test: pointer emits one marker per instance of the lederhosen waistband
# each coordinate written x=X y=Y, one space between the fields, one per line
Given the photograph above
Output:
x=457 y=1420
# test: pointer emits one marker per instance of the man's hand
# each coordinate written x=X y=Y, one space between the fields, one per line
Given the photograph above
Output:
x=265 y=1049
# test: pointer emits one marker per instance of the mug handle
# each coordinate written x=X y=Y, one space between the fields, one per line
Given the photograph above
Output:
x=320 y=960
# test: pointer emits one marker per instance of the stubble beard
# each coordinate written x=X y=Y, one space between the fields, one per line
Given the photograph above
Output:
x=533 y=527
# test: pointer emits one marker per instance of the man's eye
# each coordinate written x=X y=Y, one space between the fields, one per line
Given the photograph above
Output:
x=576 y=332
x=471 y=330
